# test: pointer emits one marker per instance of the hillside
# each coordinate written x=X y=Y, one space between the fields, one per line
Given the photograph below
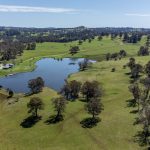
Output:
x=115 y=131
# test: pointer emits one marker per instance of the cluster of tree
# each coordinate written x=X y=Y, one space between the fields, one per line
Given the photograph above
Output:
x=90 y=90
x=115 y=56
x=148 y=41
x=141 y=93
x=10 y=49
x=71 y=90
x=31 y=46
x=100 y=38
x=39 y=35
x=144 y=51
x=135 y=68
x=83 y=65
x=74 y=49
x=35 y=104
x=114 y=35
x=132 y=37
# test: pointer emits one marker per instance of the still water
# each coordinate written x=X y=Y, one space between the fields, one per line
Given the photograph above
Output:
x=53 y=72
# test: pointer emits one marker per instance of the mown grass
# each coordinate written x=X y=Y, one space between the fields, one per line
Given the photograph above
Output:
x=115 y=131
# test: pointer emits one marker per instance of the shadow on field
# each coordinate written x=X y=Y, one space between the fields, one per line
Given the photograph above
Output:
x=134 y=111
x=131 y=103
x=54 y=119
x=30 y=121
x=128 y=73
x=90 y=122
x=141 y=139
x=137 y=121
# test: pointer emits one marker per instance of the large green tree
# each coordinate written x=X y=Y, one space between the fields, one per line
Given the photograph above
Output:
x=34 y=105
x=59 y=104
x=94 y=107
x=91 y=90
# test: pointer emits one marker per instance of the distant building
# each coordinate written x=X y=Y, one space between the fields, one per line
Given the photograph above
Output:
x=1 y=66
x=7 y=66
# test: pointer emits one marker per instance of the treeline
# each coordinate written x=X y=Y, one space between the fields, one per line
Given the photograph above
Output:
x=11 y=49
x=14 y=40
x=132 y=37
x=38 y=35
x=140 y=89
x=115 y=56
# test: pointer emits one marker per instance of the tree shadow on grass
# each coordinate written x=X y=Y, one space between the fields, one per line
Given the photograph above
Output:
x=54 y=119
x=90 y=122
x=137 y=121
x=134 y=111
x=82 y=100
x=141 y=139
x=128 y=73
x=131 y=103
x=132 y=81
x=30 y=121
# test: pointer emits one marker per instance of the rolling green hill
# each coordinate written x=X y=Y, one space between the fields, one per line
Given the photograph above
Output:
x=115 y=131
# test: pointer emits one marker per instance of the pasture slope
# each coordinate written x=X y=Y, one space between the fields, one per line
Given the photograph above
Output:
x=115 y=131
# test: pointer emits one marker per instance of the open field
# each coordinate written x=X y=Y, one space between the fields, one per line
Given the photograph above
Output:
x=115 y=131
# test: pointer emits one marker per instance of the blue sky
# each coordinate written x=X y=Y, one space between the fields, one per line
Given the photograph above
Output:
x=72 y=13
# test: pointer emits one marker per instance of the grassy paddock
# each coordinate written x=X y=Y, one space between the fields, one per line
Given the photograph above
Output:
x=115 y=131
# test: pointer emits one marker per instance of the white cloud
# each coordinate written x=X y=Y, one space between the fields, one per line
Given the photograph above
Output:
x=28 y=9
x=137 y=15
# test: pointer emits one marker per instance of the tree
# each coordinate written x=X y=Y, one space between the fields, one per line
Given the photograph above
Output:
x=75 y=87
x=136 y=69
x=145 y=120
x=65 y=91
x=143 y=51
x=146 y=83
x=36 y=85
x=59 y=106
x=94 y=107
x=136 y=92
x=131 y=63
x=89 y=40
x=100 y=38
x=11 y=93
x=84 y=65
x=114 y=56
x=91 y=90
x=80 y=42
x=147 y=69
x=73 y=50
x=34 y=105
x=123 y=53
x=31 y=46
x=108 y=56
x=71 y=89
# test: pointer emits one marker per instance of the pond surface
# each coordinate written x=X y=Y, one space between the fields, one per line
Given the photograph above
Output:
x=53 y=71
